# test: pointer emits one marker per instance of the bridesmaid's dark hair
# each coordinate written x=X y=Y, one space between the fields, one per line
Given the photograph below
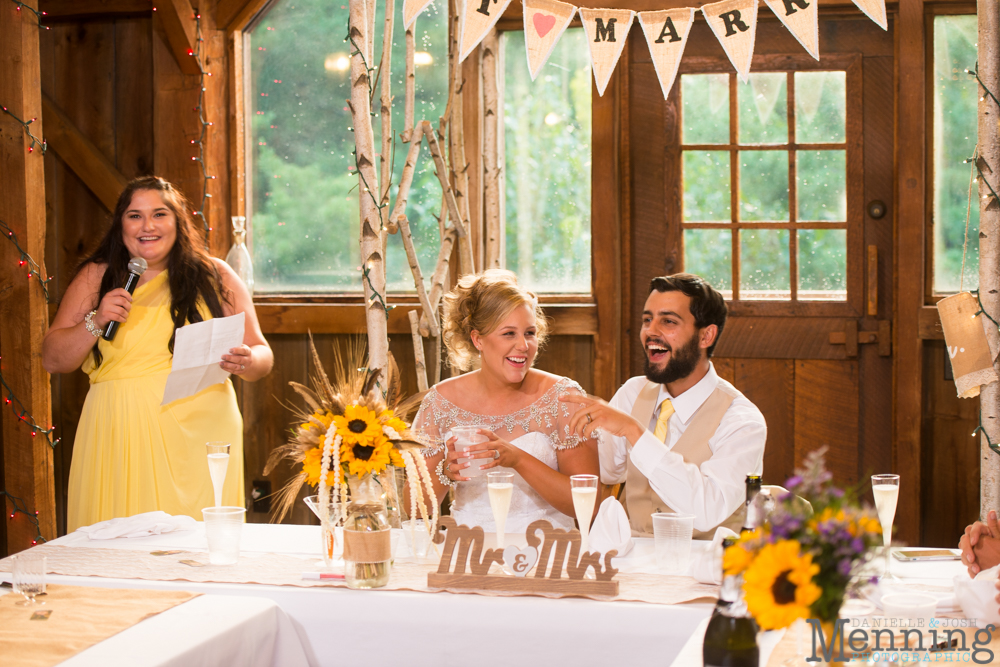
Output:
x=190 y=269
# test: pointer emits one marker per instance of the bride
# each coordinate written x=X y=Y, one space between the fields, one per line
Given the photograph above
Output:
x=495 y=327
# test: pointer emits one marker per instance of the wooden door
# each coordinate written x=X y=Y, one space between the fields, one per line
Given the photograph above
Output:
x=806 y=266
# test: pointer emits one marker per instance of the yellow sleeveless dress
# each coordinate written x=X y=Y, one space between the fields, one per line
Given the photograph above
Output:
x=132 y=455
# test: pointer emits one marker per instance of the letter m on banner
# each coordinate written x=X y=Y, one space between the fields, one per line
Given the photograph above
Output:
x=607 y=30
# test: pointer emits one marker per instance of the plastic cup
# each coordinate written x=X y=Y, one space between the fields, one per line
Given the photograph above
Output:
x=223 y=526
x=466 y=436
x=672 y=541
x=29 y=577
x=417 y=539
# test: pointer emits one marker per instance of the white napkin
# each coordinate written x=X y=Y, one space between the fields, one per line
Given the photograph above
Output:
x=140 y=525
x=611 y=529
x=978 y=598
x=708 y=570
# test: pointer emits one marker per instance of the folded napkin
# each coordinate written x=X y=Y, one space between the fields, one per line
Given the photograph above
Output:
x=977 y=598
x=708 y=570
x=611 y=529
x=140 y=525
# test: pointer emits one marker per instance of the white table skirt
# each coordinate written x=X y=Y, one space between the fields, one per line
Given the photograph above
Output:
x=341 y=626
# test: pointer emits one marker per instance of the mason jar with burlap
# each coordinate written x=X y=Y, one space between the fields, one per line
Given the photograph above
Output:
x=367 y=542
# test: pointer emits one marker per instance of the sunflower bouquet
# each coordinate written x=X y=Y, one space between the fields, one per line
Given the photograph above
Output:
x=800 y=564
x=353 y=426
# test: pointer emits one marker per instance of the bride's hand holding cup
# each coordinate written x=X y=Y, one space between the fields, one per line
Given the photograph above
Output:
x=502 y=453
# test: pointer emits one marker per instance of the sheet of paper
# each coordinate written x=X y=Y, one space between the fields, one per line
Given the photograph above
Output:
x=198 y=349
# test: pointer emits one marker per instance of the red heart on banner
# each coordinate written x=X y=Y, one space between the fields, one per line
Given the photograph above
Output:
x=543 y=23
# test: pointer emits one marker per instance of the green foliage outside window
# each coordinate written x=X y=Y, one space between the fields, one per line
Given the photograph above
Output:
x=955 y=108
x=304 y=206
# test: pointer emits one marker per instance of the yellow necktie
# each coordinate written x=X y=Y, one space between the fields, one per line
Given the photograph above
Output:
x=666 y=410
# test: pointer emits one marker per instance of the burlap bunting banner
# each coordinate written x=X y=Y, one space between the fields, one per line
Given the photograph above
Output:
x=734 y=23
x=667 y=35
x=412 y=9
x=478 y=17
x=544 y=23
x=801 y=17
x=606 y=30
x=875 y=10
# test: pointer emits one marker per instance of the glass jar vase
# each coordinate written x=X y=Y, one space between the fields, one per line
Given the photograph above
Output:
x=367 y=542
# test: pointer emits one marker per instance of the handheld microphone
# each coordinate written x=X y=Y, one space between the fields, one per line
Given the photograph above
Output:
x=136 y=267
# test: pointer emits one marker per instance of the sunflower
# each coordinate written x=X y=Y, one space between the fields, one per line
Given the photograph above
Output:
x=319 y=421
x=392 y=421
x=736 y=559
x=358 y=425
x=362 y=459
x=312 y=466
x=778 y=585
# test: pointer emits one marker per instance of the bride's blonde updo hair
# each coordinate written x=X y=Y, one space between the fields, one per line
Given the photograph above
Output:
x=481 y=302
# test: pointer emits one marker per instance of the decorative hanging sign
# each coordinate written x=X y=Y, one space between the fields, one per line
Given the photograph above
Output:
x=875 y=10
x=801 y=17
x=412 y=9
x=667 y=34
x=606 y=31
x=478 y=18
x=544 y=23
x=968 y=347
x=734 y=23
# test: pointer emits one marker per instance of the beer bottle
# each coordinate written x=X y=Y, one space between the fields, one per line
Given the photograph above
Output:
x=751 y=520
x=731 y=636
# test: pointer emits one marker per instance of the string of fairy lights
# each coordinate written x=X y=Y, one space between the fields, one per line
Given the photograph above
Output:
x=17 y=504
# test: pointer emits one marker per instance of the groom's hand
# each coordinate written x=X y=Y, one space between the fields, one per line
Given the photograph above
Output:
x=593 y=413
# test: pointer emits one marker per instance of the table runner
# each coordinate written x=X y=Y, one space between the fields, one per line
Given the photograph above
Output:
x=286 y=570
x=77 y=617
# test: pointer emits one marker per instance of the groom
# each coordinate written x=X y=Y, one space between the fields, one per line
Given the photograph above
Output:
x=681 y=438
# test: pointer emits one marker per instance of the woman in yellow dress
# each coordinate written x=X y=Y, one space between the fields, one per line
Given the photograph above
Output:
x=132 y=455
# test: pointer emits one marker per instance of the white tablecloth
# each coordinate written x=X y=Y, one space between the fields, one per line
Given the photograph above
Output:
x=341 y=626
x=208 y=631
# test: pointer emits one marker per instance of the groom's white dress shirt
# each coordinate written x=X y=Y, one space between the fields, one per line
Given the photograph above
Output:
x=716 y=489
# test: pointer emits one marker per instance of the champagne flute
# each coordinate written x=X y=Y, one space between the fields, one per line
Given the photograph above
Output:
x=584 y=489
x=500 y=486
x=218 y=462
x=885 y=488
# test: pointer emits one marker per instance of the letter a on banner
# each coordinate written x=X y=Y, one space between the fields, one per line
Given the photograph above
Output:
x=801 y=17
x=875 y=10
x=667 y=34
x=544 y=23
x=606 y=31
x=734 y=23
x=478 y=17
x=411 y=9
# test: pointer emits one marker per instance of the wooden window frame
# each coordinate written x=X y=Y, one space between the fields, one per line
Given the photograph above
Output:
x=853 y=145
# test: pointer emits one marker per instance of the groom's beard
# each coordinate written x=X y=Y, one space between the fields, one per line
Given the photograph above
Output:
x=682 y=363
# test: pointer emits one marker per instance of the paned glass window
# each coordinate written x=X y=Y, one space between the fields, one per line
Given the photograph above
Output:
x=303 y=196
x=547 y=158
x=955 y=107
x=764 y=181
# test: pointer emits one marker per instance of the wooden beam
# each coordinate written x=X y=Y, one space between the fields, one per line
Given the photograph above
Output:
x=177 y=19
x=234 y=15
x=27 y=460
x=81 y=155
x=81 y=9
x=909 y=262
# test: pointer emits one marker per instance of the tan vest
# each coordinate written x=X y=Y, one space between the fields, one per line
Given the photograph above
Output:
x=640 y=500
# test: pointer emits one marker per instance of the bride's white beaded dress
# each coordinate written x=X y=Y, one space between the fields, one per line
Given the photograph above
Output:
x=540 y=429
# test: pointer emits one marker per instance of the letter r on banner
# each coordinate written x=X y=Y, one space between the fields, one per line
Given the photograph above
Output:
x=733 y=21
